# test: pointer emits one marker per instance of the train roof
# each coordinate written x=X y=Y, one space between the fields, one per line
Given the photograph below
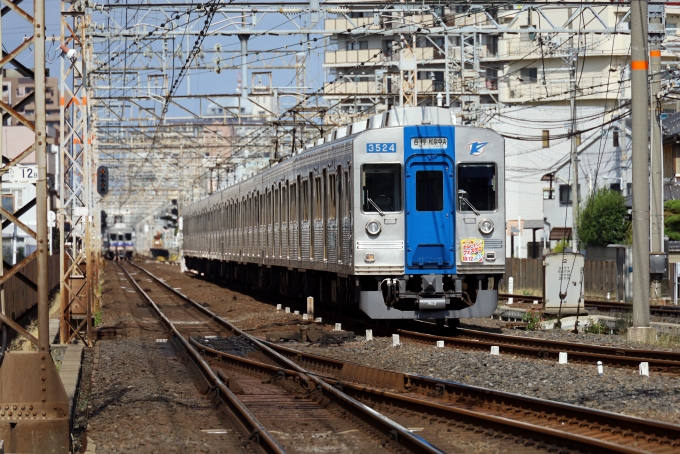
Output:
x=406 y=116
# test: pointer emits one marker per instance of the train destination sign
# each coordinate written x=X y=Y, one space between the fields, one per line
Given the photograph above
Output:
x=429 y=142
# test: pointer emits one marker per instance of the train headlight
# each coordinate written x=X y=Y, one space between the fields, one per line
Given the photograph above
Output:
x=373 y=227
x=485 y=226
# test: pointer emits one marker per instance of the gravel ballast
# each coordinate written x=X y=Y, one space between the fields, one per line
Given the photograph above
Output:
x=619 y=390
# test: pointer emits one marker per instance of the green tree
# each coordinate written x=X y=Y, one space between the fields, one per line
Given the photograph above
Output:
x=604 y=219
x=672 y=219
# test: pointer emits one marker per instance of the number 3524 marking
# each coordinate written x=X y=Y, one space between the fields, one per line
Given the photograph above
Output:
x=381 y=147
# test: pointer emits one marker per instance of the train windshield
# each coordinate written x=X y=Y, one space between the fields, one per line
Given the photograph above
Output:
x=120 y=237
x=381 y=188
x=429 y=190
x=477 y=183
x=128 y=236
x=113 y=237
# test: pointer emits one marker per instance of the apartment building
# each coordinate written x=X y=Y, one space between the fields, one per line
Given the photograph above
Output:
x=17 y=91
x=510 y=69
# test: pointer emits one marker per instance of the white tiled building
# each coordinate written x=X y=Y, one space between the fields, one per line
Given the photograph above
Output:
x=516 y=83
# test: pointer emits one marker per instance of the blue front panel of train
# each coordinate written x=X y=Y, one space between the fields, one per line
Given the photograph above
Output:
x=430 y=203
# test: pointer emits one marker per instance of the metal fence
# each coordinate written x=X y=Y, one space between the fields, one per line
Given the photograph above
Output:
x=19 y=296
x=600 y=277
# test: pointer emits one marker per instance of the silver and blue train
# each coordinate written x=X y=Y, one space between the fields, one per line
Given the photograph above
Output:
x=119 y=242
x=401 y=215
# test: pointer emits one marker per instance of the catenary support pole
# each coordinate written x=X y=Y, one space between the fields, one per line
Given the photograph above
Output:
x=41 y=184
x=656 y=147
x=574 y=155
x=656 y=156
x=640 y=162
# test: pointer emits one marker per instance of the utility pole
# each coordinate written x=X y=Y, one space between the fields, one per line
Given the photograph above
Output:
x=574 y=155
x=640 y=164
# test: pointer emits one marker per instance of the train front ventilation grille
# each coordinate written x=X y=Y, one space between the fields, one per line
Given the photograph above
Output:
x=493 y=244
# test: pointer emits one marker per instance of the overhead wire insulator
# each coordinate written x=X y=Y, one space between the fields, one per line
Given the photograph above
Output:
x=290 y=10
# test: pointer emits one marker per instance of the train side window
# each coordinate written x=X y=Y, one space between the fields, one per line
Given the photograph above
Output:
x=332 y=208
x=381 y=187
x=429 y=190
x=478 y=181
x=347 y=194
x=317 y=199
x=263 y=208
x=293 y=203
x=284 y=204
x=268 y=212
x=128 y=236
x=305 y=201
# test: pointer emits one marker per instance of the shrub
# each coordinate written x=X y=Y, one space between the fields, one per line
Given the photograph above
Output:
x=595 y=327
x=604 y=219
x=533 y=317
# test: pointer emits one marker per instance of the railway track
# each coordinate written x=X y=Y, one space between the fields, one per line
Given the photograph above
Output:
x=534 y=423
x=602 y=305
x=530 y=347
x=659 y=361
x=289 y=402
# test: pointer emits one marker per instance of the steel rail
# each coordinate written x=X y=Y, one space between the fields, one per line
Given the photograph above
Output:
x=668 y=310
x=455 y=391
x=540 y=348
x=565 y=346
x=659 y=360
x=385 y=425
x=250 y=422
x=518 y=428
x=338 y=372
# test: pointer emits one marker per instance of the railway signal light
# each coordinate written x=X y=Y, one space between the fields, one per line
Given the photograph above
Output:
x=102 y=180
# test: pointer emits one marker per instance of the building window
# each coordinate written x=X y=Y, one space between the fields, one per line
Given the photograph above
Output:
x=529 y=75
x=8 y=202
x=616 y=138
x=548 y=194
x=565 y=193
x=21 y=91
x=546 y=138
x=357 y=45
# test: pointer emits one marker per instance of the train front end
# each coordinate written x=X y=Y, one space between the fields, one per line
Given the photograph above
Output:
x=430 y=228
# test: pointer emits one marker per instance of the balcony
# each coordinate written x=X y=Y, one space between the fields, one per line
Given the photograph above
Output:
x=355 y=57
x=556 y=89
x=342 y=24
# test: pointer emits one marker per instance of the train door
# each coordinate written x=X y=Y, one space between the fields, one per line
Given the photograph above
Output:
x=429 y=212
